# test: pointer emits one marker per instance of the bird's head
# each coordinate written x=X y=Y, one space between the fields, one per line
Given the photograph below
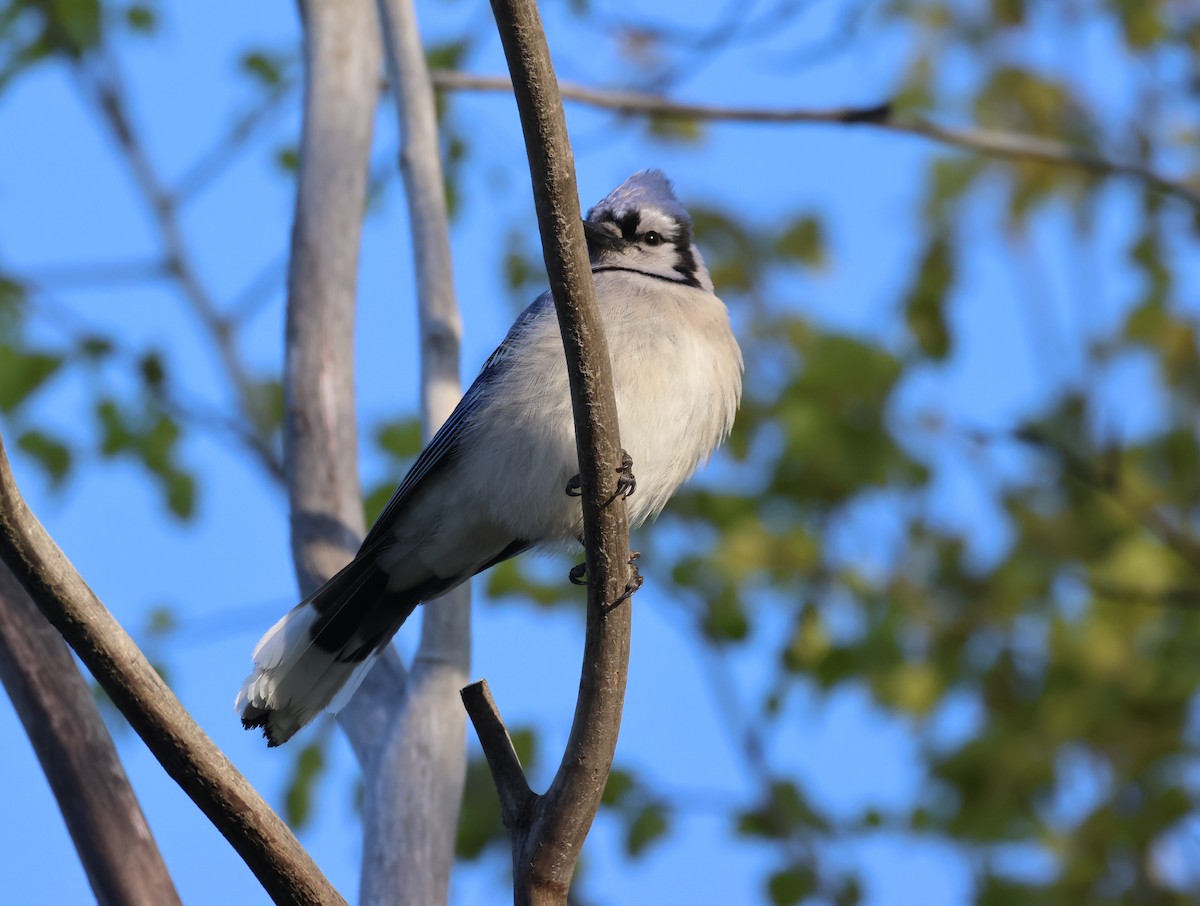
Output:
x=641 y=226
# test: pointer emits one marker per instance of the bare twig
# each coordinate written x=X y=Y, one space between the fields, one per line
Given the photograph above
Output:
x=76 y=752
x=257 y=834
x=516 y=797
x=225 y=151
x=1010 y=145
x=546 y=842
x=1075 y=466
x=108 y=94
x=99 y=274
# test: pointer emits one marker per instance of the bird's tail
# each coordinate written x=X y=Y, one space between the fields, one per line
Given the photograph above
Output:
x=316 y=656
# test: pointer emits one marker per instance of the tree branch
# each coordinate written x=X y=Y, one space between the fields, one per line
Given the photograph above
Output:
x=76 y=752
x=203 y=772
x=515 y=795
x=994 y=143
x=546 y=846
x=342 y=59
x=341 y=49
x=415 y=779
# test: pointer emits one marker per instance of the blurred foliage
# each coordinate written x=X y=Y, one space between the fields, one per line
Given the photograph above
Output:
x=1072 y=645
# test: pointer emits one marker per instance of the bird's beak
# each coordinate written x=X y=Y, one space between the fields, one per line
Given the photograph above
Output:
x=599 y=239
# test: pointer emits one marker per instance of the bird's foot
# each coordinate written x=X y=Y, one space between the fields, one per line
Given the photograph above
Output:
x=576 y=575
x=626 y=483
x=635 y=579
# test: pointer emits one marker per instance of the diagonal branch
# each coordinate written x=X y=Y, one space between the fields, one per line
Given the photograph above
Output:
x=547 y=840
x=991 y=142
x=187 y=754
x=59 y=712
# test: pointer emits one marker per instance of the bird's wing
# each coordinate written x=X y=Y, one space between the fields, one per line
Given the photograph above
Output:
x=441 y=451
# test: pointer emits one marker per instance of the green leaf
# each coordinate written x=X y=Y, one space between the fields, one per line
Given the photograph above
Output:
x=804 y=241
x=649 y=825
x=447 y=55
x=620 y=784
x=161 y=621
x=50 y=453
x=265 y=68
x=265 y=404
x=511 y=578
x=141 y=18
x=22 y=373
x=925 y=303
x=152 y=371
x=12 y=307
x=791 y=885
x=306 y=771
x=73 y=25
x=181 y=493
x=400 y=438
x=375 y=501
x=287 y=158
x=94 y=347
x=675 y=129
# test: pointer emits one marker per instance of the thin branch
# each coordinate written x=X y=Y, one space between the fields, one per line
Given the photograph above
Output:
x=994 y=143
x=67 y=321
x=1185 y=545
x=546 y=847
x=100 y=274
x=203 y=772
x=224 y=152
x=108 y=94
x=76 y=752
x=515 y=795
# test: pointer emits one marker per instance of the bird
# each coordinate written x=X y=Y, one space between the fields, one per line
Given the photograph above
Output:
x=500 y=477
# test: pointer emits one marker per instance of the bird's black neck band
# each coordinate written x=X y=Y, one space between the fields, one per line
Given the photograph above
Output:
x=632 y=270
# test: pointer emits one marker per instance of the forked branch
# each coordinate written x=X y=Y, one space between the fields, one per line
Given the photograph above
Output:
x=547 y=831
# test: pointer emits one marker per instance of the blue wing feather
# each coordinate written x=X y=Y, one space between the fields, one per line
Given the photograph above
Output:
x=440 y=451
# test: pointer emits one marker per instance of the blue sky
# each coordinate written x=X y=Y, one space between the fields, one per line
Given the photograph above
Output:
x=66 y=199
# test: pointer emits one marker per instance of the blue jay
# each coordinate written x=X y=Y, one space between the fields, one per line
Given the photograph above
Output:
x=497 y=478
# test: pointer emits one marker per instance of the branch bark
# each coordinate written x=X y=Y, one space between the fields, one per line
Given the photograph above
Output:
x=342 y=65
x=548 y=831
x=188 y=755
x=415 y=781
x=995 y=143
x=59 y=713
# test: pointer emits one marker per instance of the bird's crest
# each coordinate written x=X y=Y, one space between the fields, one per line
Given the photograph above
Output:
x=645 y=189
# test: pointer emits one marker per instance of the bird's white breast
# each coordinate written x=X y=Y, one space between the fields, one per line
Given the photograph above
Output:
x=677 y=376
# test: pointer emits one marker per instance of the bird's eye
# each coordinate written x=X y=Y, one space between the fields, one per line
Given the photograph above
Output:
x=652 y=238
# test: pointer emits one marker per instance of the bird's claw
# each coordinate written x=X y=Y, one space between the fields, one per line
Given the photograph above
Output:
x=635 y=579
x=626 y=483
x=576 y=575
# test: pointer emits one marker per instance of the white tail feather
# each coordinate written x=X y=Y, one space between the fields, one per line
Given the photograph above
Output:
x=294 y=680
